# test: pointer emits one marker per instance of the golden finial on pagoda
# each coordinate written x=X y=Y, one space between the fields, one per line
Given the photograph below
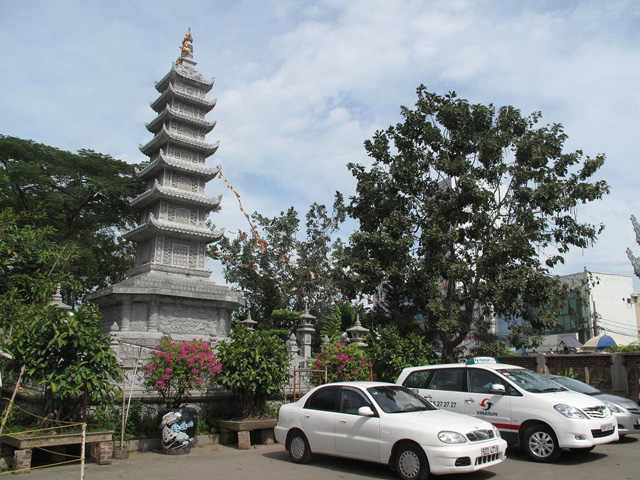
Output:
x=186 y=49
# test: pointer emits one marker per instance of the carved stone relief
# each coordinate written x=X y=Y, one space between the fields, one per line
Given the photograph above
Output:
x=180 y=318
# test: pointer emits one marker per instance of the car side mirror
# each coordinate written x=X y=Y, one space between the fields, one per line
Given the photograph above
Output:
x=365 y=412
x=497 y=388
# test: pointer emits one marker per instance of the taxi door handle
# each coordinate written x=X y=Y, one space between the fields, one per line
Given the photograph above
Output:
x=469 y=400
x=342 y=420
x=307 y=415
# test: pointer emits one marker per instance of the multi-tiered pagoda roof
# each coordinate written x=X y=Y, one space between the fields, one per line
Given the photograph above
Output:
x=172 y=234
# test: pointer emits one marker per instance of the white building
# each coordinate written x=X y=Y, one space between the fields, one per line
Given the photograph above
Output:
x=606 y=303
x=609 y=303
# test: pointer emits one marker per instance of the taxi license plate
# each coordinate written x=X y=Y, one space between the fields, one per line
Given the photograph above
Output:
x=607 y=427
x=489 y=450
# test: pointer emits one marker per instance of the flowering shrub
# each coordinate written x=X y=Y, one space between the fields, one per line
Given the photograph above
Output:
x=176 y=368
x=345 y=362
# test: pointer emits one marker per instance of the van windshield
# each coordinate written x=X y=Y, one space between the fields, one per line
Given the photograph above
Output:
x=530 y=381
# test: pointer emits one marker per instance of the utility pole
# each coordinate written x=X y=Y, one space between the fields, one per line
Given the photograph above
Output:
x=595 y=319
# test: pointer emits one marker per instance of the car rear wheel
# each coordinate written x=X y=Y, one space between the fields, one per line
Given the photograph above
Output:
x=411 y=463
x=540 y=444
x=299 y=450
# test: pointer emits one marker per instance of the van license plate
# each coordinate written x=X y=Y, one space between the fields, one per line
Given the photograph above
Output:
x=607 y=427
x=489 y=450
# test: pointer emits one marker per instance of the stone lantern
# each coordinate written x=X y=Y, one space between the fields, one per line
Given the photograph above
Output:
x=357 y=333
x=56 y=301
x=305 y=332
x=248 y=322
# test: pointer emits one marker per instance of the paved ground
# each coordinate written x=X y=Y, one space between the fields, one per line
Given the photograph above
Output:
x=618 y=461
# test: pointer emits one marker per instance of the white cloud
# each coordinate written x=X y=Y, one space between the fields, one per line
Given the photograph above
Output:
x=301 y=85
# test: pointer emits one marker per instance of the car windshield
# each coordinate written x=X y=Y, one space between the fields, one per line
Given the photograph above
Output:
x=397 y=399
x=576 y=385
x=530 y=381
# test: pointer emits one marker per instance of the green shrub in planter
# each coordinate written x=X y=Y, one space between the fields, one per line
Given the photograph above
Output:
x=255 y=367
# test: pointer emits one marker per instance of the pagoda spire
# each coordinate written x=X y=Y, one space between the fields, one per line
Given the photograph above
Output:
x=186 y=49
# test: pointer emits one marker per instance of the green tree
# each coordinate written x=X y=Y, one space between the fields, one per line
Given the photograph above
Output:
x=390 y=352
x=285 y=320
x=32 y=264
x=83 y=197
x=277 y=271
x=65 y=354
x=339 y=320
x=456 y=210
x=255 y=367
x=68 y=356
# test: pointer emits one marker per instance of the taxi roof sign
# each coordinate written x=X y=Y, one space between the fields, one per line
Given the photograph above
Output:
x=481 y=360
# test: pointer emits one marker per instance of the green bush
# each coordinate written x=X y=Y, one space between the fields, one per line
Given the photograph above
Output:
x=140 y=423
x=632 y=348
x=69 y=357
x=255 y=368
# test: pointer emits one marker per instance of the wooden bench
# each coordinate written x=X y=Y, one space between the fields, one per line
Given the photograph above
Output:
x=229 y=429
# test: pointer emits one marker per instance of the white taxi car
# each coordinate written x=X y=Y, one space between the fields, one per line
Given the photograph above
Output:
x=529 y=409
x=625 y=411
x=387 y=424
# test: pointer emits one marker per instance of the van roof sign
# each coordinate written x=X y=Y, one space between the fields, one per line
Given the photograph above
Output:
x=481 y=360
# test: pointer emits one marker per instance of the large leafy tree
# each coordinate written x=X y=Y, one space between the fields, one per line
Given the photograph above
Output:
x=32 y=264
x=67 y=355
x=83 y=197
x=277 y=270
x=464 y=212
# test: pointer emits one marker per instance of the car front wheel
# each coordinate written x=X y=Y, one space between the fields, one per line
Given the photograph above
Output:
x=411 y=462
x=540 y=444
x=299 y=450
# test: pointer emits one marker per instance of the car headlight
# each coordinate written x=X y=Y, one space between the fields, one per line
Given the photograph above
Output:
x=569 y=411
x=615 y=408
x=496 y=431
x=452 y=437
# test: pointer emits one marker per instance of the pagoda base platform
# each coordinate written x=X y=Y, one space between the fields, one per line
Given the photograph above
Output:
x=143 y=308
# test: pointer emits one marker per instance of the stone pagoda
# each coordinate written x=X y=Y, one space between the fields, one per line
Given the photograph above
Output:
x=168 y=291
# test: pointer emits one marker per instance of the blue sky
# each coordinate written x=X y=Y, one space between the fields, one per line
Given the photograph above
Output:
x=300 y=85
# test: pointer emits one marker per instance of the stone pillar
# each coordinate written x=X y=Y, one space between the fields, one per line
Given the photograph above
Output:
x=267 y=436
x=618 y=374
x=22 y=461
x=125 y=321
x=225 y=319
x=152 y=322
x=244 y=440
x=292 y=346
x=102 y=452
